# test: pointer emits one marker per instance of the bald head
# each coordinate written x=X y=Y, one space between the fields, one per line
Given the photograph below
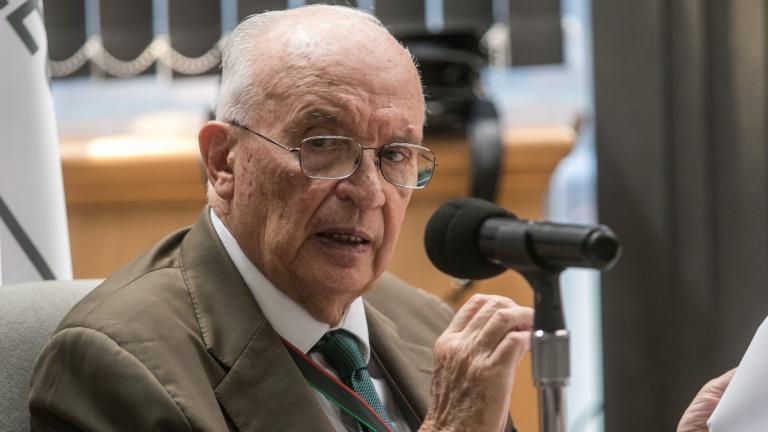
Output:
x=274 y=56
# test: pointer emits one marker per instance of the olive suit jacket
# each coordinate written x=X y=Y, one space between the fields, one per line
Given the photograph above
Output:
x=176 y=342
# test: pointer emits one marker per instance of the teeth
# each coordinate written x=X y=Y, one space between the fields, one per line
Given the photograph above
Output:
x=345 y=238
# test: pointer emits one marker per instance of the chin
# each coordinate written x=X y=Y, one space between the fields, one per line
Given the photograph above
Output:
x=345 y=283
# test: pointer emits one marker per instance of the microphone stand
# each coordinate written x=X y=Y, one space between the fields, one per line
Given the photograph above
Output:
x=550 y=348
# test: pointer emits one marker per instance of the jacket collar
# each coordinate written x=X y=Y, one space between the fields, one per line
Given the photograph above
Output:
x=225 y=309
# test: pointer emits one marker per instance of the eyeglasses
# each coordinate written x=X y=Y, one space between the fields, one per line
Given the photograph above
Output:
x=337 y=157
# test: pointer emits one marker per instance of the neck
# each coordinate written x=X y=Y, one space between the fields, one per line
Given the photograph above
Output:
x=329 y=311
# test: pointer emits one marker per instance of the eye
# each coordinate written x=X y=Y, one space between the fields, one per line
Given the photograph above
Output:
x=395 y=154
x=323 y=143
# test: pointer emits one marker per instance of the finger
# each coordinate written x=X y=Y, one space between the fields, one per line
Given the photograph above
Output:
x=470 y=309
x=502 y=322
x=512 y=347
x=493 y=303
x=465 y=313
x=717 y=386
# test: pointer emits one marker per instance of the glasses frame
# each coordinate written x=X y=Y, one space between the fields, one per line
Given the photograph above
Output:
x=377 y=151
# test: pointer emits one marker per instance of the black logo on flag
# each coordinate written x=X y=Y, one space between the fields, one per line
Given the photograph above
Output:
x=16 y=20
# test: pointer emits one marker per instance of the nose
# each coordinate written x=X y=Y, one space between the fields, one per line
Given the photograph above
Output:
x=365 y=187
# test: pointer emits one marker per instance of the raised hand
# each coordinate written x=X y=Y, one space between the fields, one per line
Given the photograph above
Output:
x=475 y=362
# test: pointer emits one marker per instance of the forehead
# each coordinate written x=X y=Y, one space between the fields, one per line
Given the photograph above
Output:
x=351 y=104
x=354 y=115
x=328 y=72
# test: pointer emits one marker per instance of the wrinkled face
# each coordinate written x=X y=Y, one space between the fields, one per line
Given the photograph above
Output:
x=327 y=241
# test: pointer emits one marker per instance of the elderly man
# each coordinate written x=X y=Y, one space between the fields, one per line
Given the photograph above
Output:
x=253 y=319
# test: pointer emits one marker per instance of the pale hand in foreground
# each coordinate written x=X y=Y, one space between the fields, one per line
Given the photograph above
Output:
x=475 y=362
x=695 y=417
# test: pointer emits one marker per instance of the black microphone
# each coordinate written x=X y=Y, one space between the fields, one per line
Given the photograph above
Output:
x=471 y=238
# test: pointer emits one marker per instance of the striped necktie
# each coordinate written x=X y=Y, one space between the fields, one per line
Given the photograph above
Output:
x=342 y=352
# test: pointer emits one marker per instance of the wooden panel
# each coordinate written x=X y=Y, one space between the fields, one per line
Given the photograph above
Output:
x=120 y=205
x=106 y=236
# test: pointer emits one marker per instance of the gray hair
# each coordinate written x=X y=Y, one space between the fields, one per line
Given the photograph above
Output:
x=237 y=93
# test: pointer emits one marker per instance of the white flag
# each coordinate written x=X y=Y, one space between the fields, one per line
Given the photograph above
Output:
x=33 y=221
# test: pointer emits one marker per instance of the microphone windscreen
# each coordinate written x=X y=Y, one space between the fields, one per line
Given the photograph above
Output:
x=452 y=234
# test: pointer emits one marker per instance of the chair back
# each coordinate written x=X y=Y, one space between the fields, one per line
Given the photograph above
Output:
x=29 y=313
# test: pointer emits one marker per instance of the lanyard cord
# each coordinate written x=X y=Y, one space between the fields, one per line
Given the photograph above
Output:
x=337 y=392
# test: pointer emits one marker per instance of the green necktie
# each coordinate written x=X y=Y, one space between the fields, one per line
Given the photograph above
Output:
x=341 y=350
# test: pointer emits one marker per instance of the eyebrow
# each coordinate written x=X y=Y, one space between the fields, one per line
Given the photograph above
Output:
x=320 y=117
x=313 y=117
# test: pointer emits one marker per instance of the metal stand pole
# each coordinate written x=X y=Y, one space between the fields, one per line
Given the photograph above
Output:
x=550 y=350
x=550 y=373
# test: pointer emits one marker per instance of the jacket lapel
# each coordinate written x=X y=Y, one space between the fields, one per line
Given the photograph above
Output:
x=263 y=389
x=409 y=365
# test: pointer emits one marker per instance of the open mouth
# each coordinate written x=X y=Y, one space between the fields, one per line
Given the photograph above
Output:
x=342 y=238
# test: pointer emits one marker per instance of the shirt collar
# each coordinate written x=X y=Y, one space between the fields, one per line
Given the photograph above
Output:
x=289 y=319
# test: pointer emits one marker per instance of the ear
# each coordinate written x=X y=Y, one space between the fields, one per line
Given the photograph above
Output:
x=216 y=144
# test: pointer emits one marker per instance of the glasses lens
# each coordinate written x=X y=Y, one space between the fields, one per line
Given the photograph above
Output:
x=407 y=165
x=328 y=157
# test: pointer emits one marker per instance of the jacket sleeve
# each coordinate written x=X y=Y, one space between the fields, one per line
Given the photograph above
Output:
x=85 y=381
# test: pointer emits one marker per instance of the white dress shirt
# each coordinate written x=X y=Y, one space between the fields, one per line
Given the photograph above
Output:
x=294 y=324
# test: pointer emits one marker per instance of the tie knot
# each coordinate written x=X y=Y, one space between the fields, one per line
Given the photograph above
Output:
x=341 y=350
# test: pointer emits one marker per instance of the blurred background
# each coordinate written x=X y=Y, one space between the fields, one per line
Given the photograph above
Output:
x=648 y=116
